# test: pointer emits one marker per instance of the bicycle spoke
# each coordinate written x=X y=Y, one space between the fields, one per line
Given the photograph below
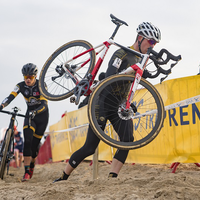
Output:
x=108 y=103
x=58 y=82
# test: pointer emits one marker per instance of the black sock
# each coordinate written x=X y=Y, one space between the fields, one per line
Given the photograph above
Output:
x=63 y=177
x=112 y=175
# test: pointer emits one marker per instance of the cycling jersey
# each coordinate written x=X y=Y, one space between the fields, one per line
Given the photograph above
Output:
x=121 y=60
x=34 y=100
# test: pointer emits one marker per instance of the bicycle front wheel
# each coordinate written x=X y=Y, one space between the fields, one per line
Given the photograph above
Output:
x=119 y=127
x=57 y=82
x=4 y=152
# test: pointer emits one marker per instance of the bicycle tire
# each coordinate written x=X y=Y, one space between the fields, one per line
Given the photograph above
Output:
x=4 y=152
x=63 y=86
x=107 y=100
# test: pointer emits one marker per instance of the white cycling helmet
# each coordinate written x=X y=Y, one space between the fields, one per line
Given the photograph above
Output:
x=150 y=31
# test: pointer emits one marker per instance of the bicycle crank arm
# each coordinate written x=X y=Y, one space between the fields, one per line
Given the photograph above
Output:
x=77 y=98
x=81 y=89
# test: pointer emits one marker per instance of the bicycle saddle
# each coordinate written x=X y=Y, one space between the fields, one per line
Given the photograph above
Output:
x=117 y=21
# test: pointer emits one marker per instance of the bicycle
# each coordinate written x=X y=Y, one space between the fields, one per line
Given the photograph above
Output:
x=7 y=144
x=72 y=68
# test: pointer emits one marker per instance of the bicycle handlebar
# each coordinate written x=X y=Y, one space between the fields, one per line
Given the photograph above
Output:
x=13 y=113
x=160 y=54
x=158 y=60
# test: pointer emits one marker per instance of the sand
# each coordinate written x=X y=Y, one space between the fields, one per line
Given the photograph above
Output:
x=134 y=182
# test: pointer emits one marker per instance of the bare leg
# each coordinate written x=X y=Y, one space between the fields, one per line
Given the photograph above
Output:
x=116 y=166
x=68 y=169
x=20 y=159
x=17 y=157
x=27 y=160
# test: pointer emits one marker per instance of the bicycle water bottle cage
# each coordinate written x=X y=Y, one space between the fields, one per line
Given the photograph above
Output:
x=81 y=88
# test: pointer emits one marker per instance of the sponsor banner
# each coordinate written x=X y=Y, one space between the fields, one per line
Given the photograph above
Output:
x=178 y=141
x=60 y=144
x=69 y=134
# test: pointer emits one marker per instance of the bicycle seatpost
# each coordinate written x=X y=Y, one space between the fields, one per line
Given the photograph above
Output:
x=115 y=31
x=118 y=22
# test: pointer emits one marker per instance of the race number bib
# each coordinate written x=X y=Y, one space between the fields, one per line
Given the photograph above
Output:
x=117 y=62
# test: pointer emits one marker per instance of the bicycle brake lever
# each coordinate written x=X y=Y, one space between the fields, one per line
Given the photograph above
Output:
x=162 y=79
x=169 y=71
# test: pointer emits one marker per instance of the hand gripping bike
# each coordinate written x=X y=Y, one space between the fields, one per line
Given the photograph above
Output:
x=7 y=144
x=121 y=98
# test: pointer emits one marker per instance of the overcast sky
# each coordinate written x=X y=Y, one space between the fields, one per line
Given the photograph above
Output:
x=31 y=30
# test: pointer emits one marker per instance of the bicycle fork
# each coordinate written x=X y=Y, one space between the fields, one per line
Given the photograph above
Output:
x=138 y=68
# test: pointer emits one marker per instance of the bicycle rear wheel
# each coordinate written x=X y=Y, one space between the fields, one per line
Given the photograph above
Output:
x=57 y=82
x=118 y=127
x=4 y=152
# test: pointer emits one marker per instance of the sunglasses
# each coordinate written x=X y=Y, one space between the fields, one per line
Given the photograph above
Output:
x=150 y=41
x=30 y=77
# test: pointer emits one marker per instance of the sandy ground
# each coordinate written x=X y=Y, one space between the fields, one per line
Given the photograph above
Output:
x=134 y=182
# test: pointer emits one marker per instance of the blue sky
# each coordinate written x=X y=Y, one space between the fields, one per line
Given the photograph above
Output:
x=32 y=30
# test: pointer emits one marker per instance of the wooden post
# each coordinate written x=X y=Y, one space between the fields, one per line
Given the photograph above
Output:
x=95 y=164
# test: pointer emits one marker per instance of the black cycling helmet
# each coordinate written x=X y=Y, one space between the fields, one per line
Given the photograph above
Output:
x=29 y=69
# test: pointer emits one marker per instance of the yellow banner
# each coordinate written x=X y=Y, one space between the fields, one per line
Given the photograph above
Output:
x=64 y=143
x=60 y=145
x=178 y=141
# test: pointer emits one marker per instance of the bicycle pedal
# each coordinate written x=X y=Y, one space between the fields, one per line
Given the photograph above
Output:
x=72 y=99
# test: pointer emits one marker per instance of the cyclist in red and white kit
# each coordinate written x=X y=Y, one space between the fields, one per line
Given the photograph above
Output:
x=148 y=35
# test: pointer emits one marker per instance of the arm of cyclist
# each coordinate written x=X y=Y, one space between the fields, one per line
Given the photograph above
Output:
x=120 y=61
x=10 y=98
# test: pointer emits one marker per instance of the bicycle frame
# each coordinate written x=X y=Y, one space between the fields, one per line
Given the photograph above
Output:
x=11 y=127
x=104 y=49
x=73 y=64
x=10 y=141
